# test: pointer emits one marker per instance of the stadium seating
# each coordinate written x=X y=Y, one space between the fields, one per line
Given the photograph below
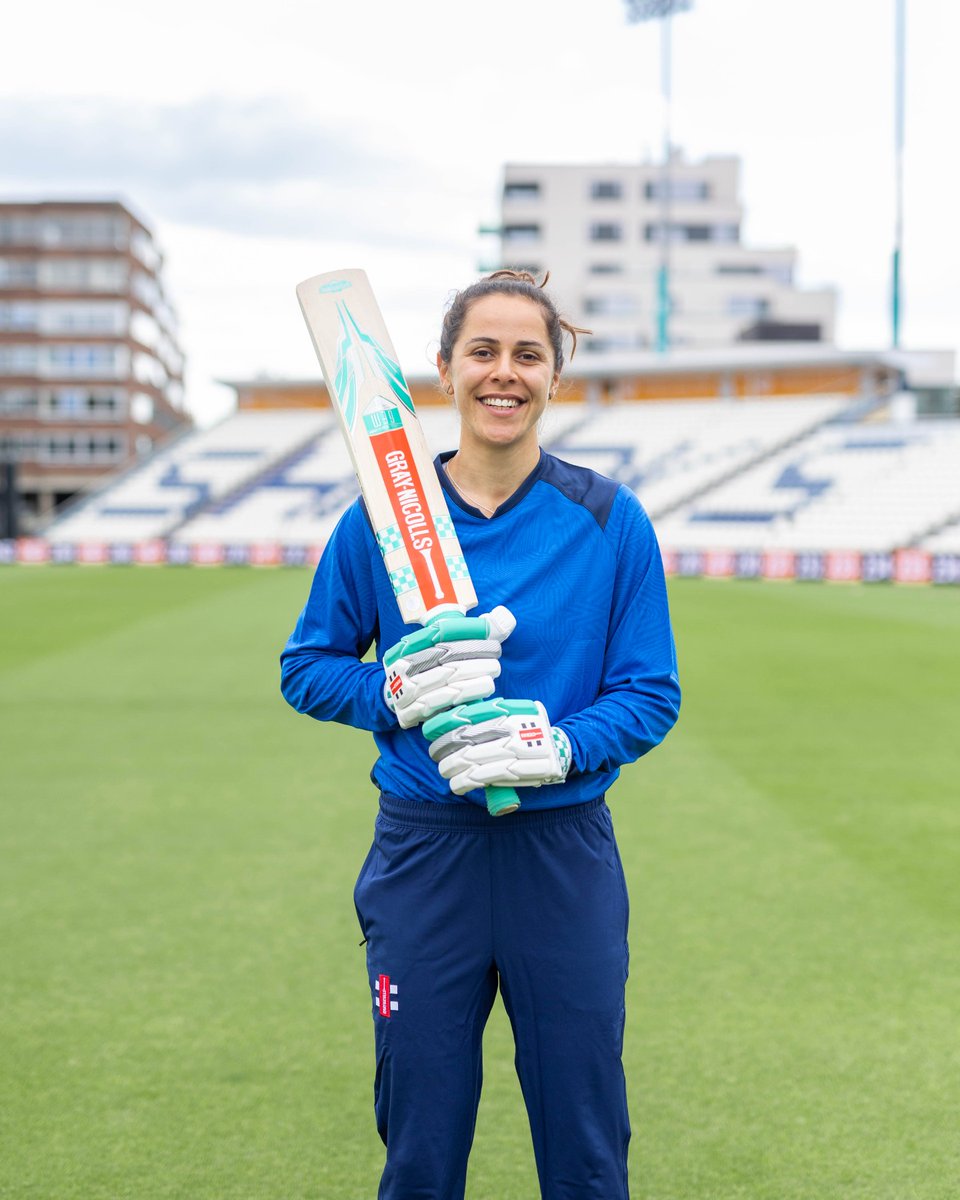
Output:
x=945 y=540
x=669 y=451
x=301 y=498
x=863 y=487
x=810 y=473
x=155 y=498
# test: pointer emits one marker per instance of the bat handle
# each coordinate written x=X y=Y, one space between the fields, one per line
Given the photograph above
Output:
x=500 y=623
x=501 y=800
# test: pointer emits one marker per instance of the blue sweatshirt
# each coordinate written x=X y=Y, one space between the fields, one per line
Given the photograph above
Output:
x=574 y=557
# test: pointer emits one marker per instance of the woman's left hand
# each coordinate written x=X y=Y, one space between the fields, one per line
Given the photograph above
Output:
x=501 y=743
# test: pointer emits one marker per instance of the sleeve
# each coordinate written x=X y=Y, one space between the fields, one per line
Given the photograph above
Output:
x=639 y=698
x=321 y=669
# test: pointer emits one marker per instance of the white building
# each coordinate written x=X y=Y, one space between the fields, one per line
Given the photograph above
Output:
x=597 y=228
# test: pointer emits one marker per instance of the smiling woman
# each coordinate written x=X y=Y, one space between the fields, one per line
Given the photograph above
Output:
x=500 y=358
x=501 y=376
x=456 y=904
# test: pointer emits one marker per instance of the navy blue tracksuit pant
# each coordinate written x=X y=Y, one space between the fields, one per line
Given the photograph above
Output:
x=455 y=903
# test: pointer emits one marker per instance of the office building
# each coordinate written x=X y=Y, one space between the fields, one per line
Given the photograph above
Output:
x=598 y=228
x=91 y=374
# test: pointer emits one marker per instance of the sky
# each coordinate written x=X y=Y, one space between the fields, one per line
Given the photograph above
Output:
x=267 y=143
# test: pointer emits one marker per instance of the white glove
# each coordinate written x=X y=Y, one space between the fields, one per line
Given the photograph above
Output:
x=450 y=661
x=503 y=743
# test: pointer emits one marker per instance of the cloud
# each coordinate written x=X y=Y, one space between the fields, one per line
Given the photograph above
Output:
x=234 y=141
x=250 y=166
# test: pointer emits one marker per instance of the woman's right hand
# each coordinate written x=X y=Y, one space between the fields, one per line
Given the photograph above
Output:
x=452 y=660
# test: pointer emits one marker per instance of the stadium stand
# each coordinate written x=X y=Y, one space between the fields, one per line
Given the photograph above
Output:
x=800 y=473
x=670 y=451
x=847 y=486
x=155 y=498
x=300 y=497
x=300 y=500
x=945 y=540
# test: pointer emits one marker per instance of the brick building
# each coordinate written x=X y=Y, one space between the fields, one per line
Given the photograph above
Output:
x=91 y=374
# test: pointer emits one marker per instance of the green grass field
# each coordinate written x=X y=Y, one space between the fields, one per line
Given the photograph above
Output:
x=184 y=1010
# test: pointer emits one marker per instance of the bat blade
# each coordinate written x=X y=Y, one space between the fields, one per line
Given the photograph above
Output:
x=394 y=468
x=390 y=456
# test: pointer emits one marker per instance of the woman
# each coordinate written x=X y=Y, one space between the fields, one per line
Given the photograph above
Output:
x=455 y=903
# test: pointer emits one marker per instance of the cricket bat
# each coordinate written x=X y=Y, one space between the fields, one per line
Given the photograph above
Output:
x=394 y=467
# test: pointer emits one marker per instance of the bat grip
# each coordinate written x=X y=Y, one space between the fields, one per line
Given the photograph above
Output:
x=501 y=800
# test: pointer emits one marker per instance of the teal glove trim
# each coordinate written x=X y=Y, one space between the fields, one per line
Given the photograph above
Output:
x=445 y=628
x=475 y=714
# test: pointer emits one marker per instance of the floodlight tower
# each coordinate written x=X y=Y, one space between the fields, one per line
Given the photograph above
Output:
x=662 y=11
x=900 y=24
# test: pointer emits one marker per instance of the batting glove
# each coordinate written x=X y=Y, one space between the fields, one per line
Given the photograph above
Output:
x=450 y=661
x=504 y=743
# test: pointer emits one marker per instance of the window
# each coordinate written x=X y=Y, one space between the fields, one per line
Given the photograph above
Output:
x=18 y=360
x=15 y=402
x=616 y=304
x=614 y=343
x=521 y=233
x=747 y=306
x=18 y=231
x=164 y=314
x=678 y=189
x=84 y=274
x=99 y=404
x=145 y=330
x=766 y=330
x=67 y=403
x=17 y=446
x=606 y=189
x=84 y=360
x=692 y=233
x=142 y=409
x=521 y=191
x=18 y=272
x=80 y=448
x=781 y=272
x=17 y=316
x=147 y=369
x=99 y=231
x=143 y=247
x=606 y=231
x=82 y=403
x=146 y=290
x=78 y=317
x=652 y=232
x=725 y=233
x=173 y=360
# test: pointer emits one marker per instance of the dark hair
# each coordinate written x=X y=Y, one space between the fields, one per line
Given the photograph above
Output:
x=508 y=283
